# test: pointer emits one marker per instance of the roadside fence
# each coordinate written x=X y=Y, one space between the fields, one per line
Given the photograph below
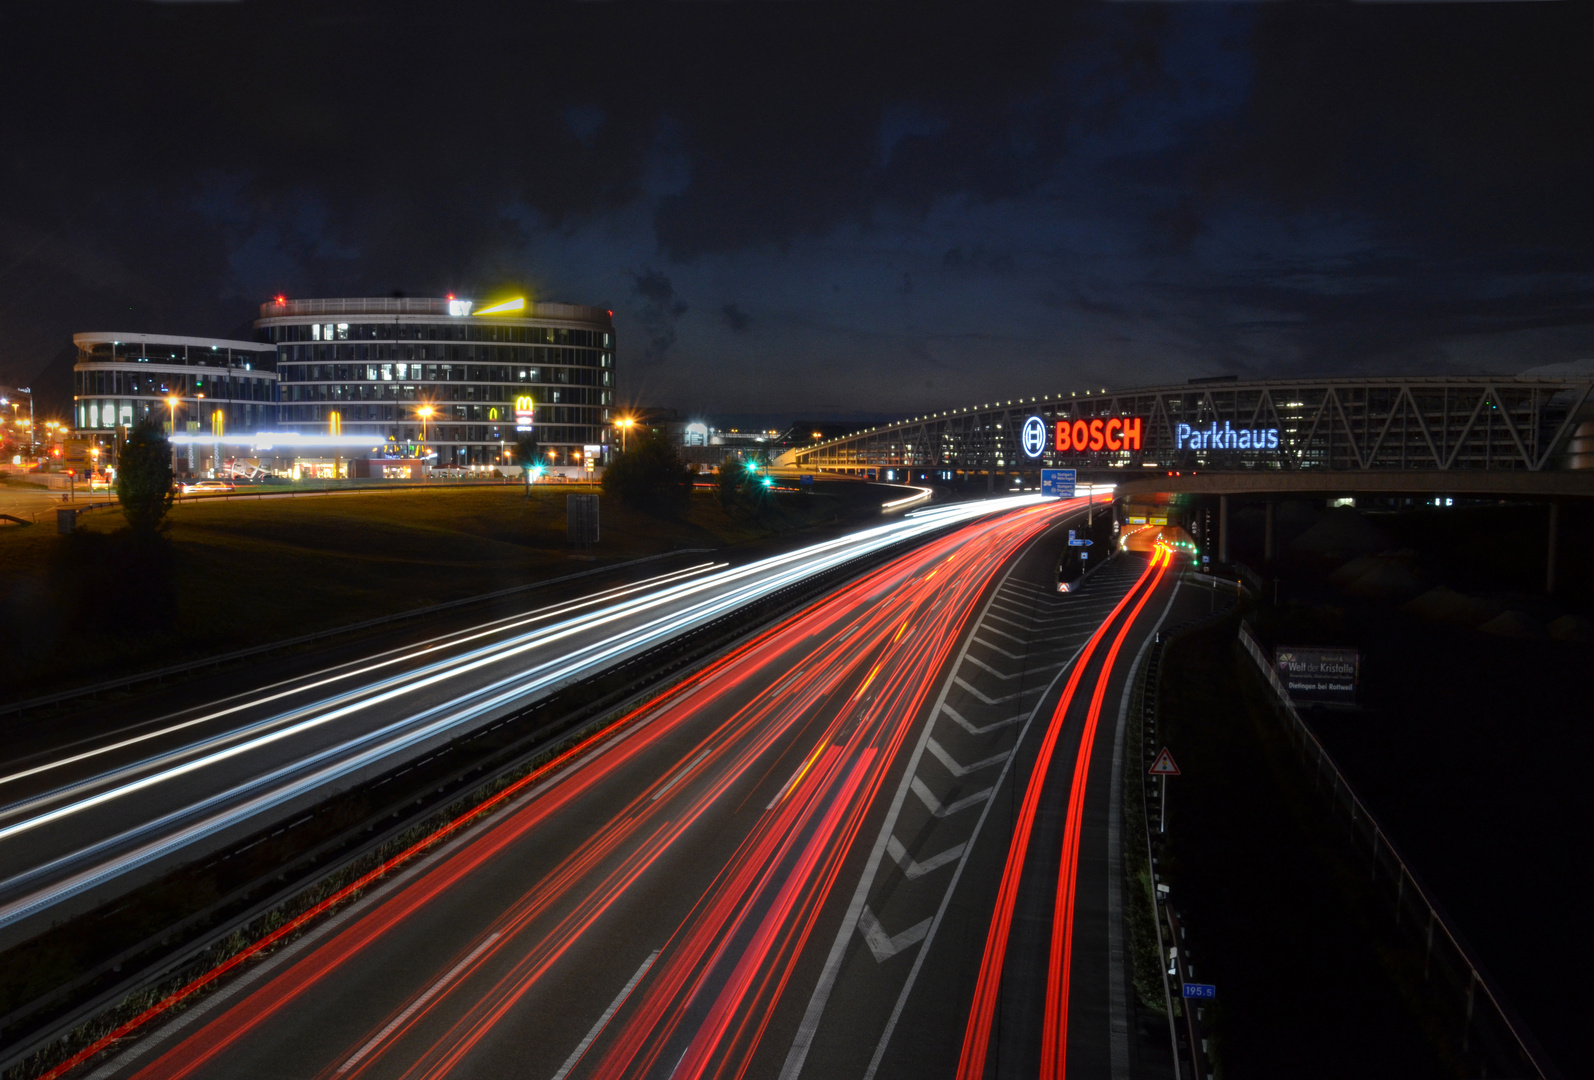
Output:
x=1495 y=1042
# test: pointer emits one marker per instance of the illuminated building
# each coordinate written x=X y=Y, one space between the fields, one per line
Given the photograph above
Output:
x=121 y=379
x=367 y=368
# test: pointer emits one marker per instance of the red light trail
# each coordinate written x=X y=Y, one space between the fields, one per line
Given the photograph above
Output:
x=857 y=668
x=977 y=1034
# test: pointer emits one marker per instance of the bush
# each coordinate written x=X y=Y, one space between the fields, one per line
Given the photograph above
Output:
x=650 y=476
x=144 y=477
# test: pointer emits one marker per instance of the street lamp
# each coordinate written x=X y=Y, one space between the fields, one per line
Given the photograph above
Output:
x=425 y=413
x=171 y=407
x=625 y=424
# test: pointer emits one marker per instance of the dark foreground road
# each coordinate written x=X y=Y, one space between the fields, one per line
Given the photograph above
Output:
x=873 y=840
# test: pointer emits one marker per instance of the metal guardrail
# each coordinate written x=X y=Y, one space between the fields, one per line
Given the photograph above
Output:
x=288 y=643
x=1188 y=1047
x=1487 y=1028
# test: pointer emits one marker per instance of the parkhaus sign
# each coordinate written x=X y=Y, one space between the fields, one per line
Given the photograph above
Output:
x=1227 y=437
x=1119 y=433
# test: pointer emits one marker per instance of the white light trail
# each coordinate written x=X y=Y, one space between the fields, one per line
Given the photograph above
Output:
x=701 y=598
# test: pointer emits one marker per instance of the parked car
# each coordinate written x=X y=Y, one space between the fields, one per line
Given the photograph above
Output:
x=207 y=487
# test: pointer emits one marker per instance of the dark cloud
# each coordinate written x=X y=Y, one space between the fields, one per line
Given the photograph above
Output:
x=659 y=313
x=735 y=318
x=1147 y=188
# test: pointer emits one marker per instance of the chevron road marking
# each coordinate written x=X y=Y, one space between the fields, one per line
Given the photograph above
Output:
x=883 y=947
x=933 y=804
x=965 y=684
x=916 y=870
x=977 y=662
x=993 y=630
x=992 y=645
x=979 y=729
x=954 y=768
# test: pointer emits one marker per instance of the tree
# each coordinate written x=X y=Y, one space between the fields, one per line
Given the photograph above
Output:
x=650 y=476
x=144 y=477
x=528 y=451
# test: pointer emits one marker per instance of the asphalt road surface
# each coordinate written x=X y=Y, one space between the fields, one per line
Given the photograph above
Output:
x=873 y=840
x=80 y=822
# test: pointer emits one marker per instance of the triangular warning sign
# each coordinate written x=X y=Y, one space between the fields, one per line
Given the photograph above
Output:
x=1164 y=765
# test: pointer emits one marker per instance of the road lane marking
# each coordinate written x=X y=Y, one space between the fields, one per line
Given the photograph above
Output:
x=960 y=681
x=681 y=772
x=1012 y=637
x=603 y=1021
x=415 y=1006
x=955 y=769
x=882 y=946
x=957 y=875
x=979 y=729
x=977 y=662
x=997 y=648
x=933 y=804
x=821 y=994
x=809 y=1026
x=915 y=870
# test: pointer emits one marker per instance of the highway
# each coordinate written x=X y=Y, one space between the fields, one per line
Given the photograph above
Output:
x=872 y=840
x=78 y=823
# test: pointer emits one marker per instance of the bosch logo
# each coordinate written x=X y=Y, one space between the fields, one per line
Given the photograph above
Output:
x=1033 y=437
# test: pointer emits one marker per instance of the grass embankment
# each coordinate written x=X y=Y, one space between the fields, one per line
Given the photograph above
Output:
x=234 y=573
x=1282 y=917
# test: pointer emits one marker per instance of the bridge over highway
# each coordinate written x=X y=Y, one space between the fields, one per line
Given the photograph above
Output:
x=1435 y=430
x=1516 y=437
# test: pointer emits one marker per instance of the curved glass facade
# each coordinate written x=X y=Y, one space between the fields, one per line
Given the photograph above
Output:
x=427 y=371
x=122 y=379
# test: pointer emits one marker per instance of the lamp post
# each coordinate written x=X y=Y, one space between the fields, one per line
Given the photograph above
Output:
x=171 y=408
x=625 y=424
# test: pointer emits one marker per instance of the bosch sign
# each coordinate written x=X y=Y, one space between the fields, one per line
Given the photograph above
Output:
x=1091 y=436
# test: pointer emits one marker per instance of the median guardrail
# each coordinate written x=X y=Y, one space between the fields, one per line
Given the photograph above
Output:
x=157 y=674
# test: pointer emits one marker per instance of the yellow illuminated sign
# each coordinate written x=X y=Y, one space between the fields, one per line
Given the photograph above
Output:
x=523 y=412
x=505 y=308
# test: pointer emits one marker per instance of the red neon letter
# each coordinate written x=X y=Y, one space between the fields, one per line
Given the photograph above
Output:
x=1081 y=434
x=1132 y=433
x=1063 y=442
x=1113 y=441
x=1095 y=435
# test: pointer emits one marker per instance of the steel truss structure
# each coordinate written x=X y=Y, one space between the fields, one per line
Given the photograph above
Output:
x=1326 y=424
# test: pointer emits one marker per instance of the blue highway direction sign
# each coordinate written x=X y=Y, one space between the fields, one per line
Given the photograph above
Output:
x=1058 y=483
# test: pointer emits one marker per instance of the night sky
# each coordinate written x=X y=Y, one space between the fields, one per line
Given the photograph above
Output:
x=801 y=209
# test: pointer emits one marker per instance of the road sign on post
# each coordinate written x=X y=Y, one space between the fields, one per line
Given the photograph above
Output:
x=1164 y=765
x=1200 y=990
x=1074 y=541
x=1058 y=483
